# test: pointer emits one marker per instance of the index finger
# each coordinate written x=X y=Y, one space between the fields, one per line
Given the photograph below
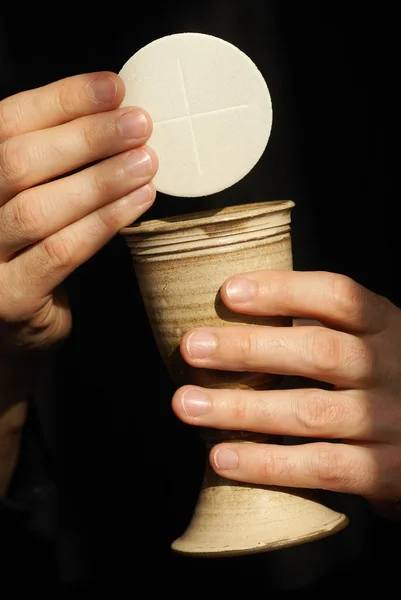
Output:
x=332 y=299
x=59 y=102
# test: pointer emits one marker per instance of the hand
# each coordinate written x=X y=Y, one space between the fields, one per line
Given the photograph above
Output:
x=74 y=170
x=356 y=421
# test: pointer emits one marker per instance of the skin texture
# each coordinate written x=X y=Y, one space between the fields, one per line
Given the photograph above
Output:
x=74 y=170
x=72 y=174
x=352 y=345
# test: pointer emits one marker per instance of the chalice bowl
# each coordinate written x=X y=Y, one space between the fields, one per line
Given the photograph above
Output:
x=180 y=264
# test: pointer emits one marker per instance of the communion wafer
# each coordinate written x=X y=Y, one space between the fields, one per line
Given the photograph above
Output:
x=211 y=111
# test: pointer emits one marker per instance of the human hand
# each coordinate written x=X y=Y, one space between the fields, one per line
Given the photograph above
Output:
x=356 y=422
x=74 y=170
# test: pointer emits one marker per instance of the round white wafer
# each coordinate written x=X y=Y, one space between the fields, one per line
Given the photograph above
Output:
x=211 y=111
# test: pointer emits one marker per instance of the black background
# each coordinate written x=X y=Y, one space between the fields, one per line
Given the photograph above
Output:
x=126 y=470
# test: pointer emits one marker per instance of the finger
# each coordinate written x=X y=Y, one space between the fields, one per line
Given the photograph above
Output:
x=312 y=413
x=314 y=352
x=59 y=102
x=35 y=273
x=367 y=471
x=33 y=158
x=39 y=212
x=335 y=300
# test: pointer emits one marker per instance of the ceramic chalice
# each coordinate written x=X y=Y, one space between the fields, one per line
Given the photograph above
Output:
x=180 y=264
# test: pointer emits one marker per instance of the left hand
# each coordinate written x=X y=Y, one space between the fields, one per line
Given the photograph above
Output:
x=358 y=352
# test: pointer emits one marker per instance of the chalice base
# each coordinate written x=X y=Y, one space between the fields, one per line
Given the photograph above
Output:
x=233 y=518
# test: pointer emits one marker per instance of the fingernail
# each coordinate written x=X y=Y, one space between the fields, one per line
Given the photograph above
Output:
x=104 y=90
x=241 y=289
x=140 y=196
x=195 y=403
x=225 y=459
x=133 y=125
x=139 y=163
x=201 y=344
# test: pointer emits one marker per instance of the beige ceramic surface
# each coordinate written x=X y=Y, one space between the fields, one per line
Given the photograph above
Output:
x=180 y=264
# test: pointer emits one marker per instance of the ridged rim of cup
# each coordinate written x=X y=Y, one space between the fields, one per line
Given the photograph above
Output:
x=200 y=218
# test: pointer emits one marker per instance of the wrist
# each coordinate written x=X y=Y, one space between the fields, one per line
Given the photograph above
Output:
x=16 y=380
x=16 y=377
x=10 y=438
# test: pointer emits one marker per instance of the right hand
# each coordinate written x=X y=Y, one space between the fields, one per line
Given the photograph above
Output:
x=73 y=172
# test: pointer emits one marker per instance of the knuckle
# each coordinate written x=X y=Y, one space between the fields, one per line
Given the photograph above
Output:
x=328 y=466
x=317 y=411
x=14 y=161
x=95 y=130
x=67 y=99
x=90 y=136
x=325 y=350
x=239 y=408
x=102 y=183
x=248 y=345
x=6 y=122
x=331 y=353
x=359 y=358
x=332 y=469
x=24 y=216
x=58 y=249
x=108 y=220
x=273 y=467
x=349 y=297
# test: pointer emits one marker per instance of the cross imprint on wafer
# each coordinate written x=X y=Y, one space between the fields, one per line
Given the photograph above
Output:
x=191 y=116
